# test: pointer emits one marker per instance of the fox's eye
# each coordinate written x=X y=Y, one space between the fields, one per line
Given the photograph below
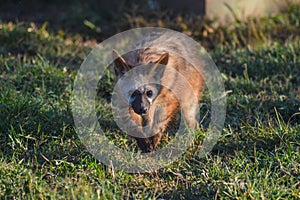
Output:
x=149 y=93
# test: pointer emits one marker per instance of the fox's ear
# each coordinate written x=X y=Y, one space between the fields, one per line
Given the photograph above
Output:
x=163 y=60
x=120 y=65
x=157 y=70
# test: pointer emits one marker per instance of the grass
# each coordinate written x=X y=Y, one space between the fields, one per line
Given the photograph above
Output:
x=257 y=156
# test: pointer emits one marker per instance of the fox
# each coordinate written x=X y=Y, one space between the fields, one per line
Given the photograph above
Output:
x=163 y=83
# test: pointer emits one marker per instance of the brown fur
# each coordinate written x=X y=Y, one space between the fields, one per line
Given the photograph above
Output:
x=173 y=96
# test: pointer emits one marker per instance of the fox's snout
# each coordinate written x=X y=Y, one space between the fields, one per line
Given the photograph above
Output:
x=140 y=109
x=139 y=103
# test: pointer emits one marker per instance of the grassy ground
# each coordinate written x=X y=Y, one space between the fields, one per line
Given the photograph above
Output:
x=257 y=156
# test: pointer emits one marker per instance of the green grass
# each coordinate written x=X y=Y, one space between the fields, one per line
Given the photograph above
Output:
x=257 y=156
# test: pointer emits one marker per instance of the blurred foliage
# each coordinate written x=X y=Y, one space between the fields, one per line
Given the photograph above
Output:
x=101 y=19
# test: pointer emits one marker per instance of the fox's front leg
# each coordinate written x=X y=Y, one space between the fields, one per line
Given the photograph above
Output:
x=190 y=115
x=149 y=144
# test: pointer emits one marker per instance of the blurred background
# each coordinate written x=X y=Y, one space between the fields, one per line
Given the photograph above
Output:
x=101 y=19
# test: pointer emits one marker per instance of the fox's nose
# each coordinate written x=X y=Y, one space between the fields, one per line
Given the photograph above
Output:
x=144 y=110
x=140 y=110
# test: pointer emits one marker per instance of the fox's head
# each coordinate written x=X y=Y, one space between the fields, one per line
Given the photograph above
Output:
x=139 y=82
